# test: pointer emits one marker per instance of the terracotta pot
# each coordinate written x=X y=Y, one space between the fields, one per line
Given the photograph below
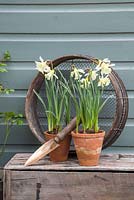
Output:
x=88 y=147
x=61 y=153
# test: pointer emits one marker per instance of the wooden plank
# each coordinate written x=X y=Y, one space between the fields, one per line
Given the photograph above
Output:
x=68 y=180
x=29 y=50
x=72 y=185
x=17 y=19
x=108 y=162
x=13 y=149
x=7 y=185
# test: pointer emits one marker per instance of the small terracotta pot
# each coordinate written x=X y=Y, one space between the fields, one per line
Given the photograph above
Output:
x=88 y=147
x=61 y=153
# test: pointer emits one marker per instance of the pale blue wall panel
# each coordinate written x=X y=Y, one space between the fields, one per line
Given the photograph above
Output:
x=20 y=135
x=30 y=50
x=26 y=72
x=16 y=102
x=84 y=19
x=43 y=2
x=29 y=29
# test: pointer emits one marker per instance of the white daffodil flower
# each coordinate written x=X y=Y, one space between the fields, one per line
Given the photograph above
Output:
x=98 y=67
x=41 y=59
x=77 y=73
x=47 y=69
x=104 y=66
x=107 y=81
x=42 y=66
x=39 y=67
x=84 y=82
x=103 y=81
x=106 y=60
x=50 y=75
x=93 y=75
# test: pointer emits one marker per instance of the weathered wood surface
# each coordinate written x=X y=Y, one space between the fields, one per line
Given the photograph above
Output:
x=69 y=185
x=71 y=182
x=108 y=162
x=1 y=184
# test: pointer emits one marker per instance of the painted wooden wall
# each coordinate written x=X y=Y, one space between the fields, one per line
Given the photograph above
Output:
x=51 y=28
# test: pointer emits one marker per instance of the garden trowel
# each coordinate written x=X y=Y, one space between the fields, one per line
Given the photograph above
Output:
x=52 y=144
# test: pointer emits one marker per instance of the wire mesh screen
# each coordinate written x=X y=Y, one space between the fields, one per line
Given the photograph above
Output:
x=112 y=117
x=109 y=110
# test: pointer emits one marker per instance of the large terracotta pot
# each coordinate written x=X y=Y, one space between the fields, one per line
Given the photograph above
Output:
x=61 y=153
x=88 y=147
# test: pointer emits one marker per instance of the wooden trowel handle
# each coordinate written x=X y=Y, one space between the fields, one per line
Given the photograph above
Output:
x=70 y=127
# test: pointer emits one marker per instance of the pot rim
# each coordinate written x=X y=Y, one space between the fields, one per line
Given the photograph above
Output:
x=101 y=133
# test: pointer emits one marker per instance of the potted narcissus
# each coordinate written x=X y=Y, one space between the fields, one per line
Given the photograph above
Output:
x=56 y=107
x=88 y=87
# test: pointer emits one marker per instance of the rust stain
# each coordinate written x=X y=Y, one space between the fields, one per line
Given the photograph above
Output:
x=88 y=152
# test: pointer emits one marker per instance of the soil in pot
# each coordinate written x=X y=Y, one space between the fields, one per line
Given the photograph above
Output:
x=88 y=147
x=61 y=153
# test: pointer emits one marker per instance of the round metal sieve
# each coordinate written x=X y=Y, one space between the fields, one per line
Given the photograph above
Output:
x=112 y=117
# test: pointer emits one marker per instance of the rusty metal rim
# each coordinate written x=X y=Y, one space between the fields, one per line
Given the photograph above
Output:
x=124 y=115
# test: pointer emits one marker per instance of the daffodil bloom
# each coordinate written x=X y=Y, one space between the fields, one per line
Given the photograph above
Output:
x=107 y=61
x=87 y=93
x=47 y=69
x=50 y=75
x=105 y=66
x=42 y=66
x=77 y=73
x=103 y=81
x=93 y=75
x=85 y=82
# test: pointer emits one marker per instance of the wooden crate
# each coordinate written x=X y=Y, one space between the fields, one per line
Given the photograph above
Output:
x=113 y=179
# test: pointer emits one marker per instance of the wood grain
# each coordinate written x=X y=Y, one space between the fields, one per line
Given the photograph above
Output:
x=68 y=180
x=72 y=185
x=108 y=162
